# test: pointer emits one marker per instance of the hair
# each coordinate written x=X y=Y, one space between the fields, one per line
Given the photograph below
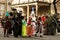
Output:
x=11 y=14
x=7 y=17
x=22 y=17
x=39 y=18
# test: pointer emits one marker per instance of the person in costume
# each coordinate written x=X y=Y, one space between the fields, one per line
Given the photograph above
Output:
x=24 y=25
x=6 y=24
x=29 y=28
x=42 y=25
x=16 y=26
x=12 y=23
x=7 y=27
x=33 y=23
x=20 y=23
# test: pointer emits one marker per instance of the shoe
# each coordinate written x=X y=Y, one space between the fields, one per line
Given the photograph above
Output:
x=4 y=35
x=16 y=37
x=7 y=36
x=35 y=35
x=41 y=36
x=29 y=36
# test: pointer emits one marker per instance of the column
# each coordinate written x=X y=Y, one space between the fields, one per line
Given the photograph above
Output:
x=36 y=10
x=27 y=11
x=52 y=9
x=5 y=8
x=8 y=5
x=24 y=13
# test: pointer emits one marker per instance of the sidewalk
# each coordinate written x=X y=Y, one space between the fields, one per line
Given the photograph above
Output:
x=45 y=37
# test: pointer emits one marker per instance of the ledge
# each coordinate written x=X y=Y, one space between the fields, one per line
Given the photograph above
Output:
x=32 y=2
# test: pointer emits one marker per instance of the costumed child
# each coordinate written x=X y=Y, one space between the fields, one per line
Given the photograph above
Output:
x=24 y=25
x=29 y=28
x=33 y=23
x=42 y=24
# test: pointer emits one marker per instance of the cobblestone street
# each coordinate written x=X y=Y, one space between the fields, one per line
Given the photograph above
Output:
x=57 y=37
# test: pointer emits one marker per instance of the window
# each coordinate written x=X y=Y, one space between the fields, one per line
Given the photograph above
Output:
x=35 y=0
x=30 y=0
x=41 y=0
x=2 y=0
x=46 y=0
x=15 y=1
x=21 y=1
x=24 y=1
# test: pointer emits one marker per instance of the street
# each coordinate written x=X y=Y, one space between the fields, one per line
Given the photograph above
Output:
x=56 y=37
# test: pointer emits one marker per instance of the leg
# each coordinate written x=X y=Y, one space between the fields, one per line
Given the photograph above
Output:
x=41 y=32
x=37 y=30
x=4 y=32
x=7 y=32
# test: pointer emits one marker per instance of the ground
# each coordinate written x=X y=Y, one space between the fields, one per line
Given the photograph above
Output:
x=56 y=37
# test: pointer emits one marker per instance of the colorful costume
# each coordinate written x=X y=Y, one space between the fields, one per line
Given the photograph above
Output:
x=24 y=25
x=42 y=24
x=33 y=24
x=29 y=28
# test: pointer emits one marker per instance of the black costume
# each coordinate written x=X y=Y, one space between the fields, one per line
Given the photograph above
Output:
x=16 y=27
x=20 y=23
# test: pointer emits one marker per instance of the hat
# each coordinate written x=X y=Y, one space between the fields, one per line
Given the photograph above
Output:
x=7 y=13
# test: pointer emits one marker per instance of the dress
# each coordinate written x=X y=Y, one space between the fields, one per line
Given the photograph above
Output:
x=33 y=23
x=24 y=25
x=29 y=28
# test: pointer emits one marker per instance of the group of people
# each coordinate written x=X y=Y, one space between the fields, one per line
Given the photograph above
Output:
x=12 y=22
x=23 y=26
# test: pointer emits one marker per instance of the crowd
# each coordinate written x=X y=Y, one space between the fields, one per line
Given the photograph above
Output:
x=23 y=26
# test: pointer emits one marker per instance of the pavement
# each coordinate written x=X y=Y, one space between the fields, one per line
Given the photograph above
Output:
x=45 y=37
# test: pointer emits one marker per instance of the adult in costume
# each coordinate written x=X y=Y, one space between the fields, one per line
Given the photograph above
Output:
x=16 y=26
x=12 y=23
x=20 y=23
x=7 y=24
x=42 y=24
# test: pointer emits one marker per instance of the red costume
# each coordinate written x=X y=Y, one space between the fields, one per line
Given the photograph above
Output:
x=29 y=27
x=43 y=18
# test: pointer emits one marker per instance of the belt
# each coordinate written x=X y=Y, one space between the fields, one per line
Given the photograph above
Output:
x=33 y=21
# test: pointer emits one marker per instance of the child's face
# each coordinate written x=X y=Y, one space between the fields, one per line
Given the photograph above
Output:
x=24 y=17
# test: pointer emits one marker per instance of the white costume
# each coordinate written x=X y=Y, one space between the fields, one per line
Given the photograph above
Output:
x=33 y=23
x=41 y=27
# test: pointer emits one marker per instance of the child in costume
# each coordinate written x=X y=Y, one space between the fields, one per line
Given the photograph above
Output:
x=33 y=23
x=29 y=28
x=24 y=25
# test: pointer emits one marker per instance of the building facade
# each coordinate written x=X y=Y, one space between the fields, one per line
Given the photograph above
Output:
x=40 y=6
x=4 y=6
x=26 y=6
